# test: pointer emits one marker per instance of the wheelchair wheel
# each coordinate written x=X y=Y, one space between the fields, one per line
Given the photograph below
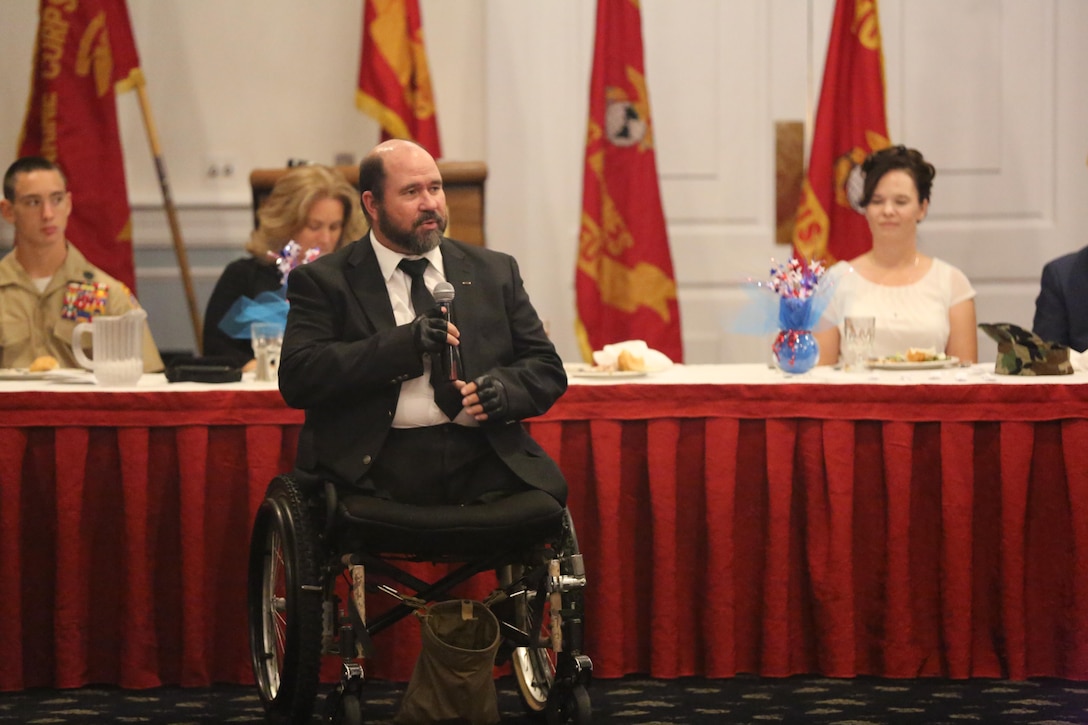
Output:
x=285 y=603
x=542 y=677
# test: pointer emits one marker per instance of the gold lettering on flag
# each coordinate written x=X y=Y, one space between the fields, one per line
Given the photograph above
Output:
x=53 y=33
x=810 y=232
x=49 y=126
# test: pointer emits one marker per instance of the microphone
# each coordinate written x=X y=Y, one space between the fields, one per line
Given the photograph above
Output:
x=443 y=294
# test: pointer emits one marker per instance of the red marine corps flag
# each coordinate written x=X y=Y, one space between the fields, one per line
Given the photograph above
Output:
x=850 y=124
x=394 y=82
x=624 y=278
x=82 y=50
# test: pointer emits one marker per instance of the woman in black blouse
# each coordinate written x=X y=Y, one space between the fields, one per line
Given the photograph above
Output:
x=312 y=205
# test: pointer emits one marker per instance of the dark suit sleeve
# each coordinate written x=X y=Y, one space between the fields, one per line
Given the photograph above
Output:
x=533 y=373
x=1051 y=319
x=332 y=355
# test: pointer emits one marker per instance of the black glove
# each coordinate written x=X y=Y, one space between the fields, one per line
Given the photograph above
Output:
x=429 y=331
x=492 y=394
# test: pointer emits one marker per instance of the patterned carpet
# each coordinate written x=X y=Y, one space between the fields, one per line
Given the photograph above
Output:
x=743 y=699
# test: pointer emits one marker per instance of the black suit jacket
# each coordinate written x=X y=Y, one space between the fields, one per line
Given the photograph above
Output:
x=344 y=358
x=1061 y=310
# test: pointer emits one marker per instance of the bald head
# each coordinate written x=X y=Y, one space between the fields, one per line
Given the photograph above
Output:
x=402 y=196
x=373 y=169
x=399 y=145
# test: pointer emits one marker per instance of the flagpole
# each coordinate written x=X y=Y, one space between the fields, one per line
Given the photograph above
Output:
x=171 y=214
x=809 y=80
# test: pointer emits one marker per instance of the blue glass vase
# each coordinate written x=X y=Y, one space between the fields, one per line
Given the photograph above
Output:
x=796 y=351
x=795 y=348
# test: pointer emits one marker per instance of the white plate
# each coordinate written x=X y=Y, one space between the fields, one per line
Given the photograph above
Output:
x=23 y=374
x=607 y=374
x=20 y=374
x=948 y=362
x=613 y=374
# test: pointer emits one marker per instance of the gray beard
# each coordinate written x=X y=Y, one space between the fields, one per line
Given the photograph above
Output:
x=421 y=243
x=413 y=242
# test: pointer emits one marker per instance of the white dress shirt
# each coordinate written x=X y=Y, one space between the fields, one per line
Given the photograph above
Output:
x=415 y=406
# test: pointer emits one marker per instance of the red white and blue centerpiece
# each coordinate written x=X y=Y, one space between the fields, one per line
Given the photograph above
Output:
x=267 y=306
x=797 y=284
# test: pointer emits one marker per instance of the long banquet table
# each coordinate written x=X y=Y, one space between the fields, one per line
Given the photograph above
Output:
x=733 y=519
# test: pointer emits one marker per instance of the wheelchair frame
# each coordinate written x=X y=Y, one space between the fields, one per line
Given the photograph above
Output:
x=301 y=544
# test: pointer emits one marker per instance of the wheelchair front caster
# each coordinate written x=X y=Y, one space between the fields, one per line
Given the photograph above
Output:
x=350 y=711
x=343 y=707
x=344 y=703
x=572 y=706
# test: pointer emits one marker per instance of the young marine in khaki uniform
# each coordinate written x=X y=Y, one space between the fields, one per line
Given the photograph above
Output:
x=46 y=286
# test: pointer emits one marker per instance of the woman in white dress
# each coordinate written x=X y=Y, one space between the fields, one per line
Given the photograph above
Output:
x=918 y=301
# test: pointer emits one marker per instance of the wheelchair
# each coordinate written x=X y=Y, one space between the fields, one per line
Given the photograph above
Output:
x=305 y=537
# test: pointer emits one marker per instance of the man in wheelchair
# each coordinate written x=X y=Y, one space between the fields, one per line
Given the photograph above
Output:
x=412 y=447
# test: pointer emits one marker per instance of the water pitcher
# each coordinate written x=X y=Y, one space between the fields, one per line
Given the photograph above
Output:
x=117 y=346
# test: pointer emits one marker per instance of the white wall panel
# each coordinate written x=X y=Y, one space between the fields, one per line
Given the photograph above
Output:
x=954 y=68
x=977 y=79
x=707 y=63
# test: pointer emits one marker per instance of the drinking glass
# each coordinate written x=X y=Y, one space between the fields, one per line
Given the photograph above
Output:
x=857 y=342
x=267 y=339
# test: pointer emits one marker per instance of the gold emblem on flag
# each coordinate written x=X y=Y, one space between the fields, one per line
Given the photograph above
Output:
x=623 y=126
x=627 y=121
x=622 y=287
x=95 y=54
x=866 y=25
x=849 y=181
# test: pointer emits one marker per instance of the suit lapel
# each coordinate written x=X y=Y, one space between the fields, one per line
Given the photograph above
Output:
x=364 y=278
x=460 y=273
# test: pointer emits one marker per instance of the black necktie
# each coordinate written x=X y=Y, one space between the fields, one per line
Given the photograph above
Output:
x=446 y=393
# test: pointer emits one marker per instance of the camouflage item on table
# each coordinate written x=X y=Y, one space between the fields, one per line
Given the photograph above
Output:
x=1022 y=352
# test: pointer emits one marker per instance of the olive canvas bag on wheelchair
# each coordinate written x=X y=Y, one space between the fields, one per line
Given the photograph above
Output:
x=453 y=678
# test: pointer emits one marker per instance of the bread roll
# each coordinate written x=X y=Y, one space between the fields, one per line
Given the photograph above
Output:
x=43 y=364
x=630 y=361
